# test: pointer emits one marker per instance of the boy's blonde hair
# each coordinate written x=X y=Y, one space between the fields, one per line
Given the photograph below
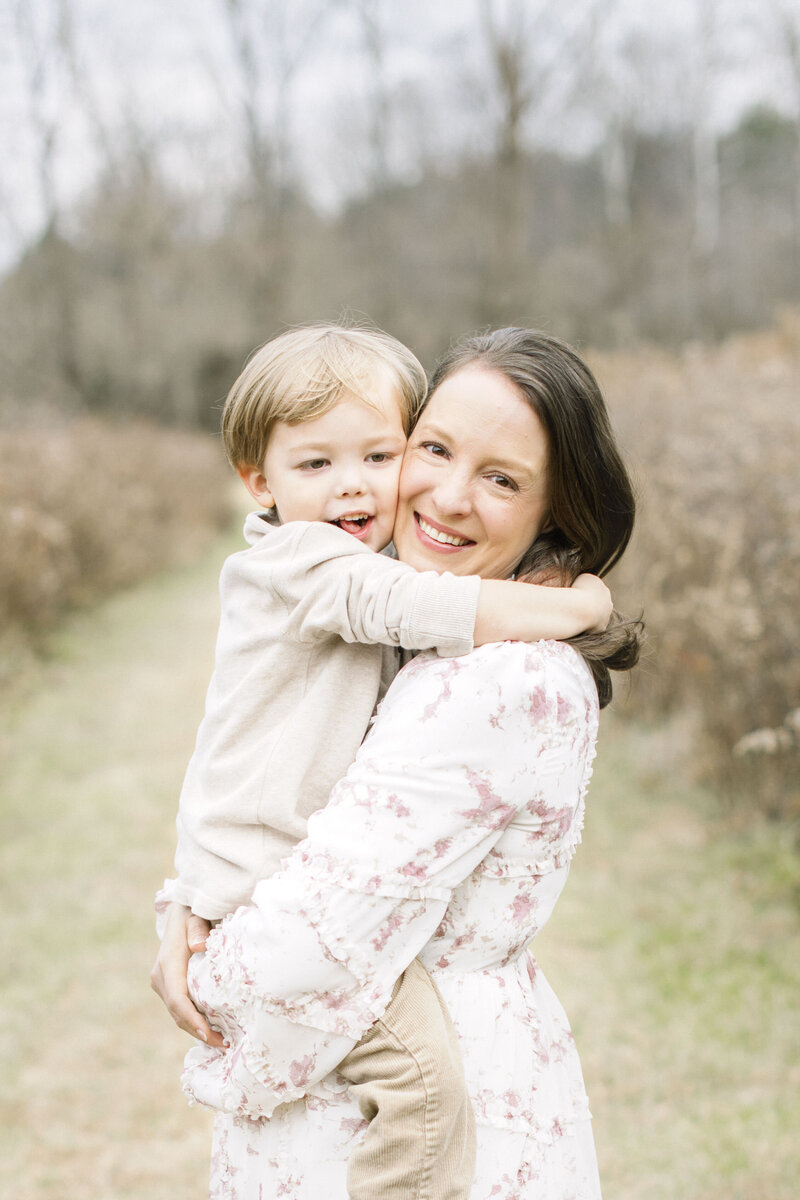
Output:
x=300 y=375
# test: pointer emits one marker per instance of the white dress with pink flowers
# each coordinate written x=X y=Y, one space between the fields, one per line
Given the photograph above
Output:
x=449 y=839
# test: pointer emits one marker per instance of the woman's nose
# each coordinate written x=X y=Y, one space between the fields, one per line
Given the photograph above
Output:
x=452 y=495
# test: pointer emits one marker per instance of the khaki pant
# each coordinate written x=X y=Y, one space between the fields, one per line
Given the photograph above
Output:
x=408 y=1078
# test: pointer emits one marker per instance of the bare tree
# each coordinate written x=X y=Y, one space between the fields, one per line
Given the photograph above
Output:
x=535 y=55
x=271 y=41
x=786 y=33
x=704 y=140
x=704 y=68
x=371 y=16
x=44 y=36
x=508 y=38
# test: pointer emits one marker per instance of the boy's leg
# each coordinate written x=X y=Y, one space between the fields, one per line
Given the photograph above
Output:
x=408 y=1078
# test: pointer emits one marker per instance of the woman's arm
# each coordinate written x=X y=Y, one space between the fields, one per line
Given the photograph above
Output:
x=459 y=748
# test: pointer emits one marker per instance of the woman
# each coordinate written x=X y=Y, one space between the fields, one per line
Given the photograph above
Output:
x=450 y=837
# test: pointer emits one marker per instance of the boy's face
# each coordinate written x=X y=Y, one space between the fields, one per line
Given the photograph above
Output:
x=342 y=467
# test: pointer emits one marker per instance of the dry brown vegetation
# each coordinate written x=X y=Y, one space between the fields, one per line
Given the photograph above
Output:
x=88 y=507
x=714 y=436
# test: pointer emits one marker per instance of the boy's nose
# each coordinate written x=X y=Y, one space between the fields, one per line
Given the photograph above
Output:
x=350 y=483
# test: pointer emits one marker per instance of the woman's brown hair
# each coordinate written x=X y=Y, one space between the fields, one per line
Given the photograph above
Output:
x=592 y=504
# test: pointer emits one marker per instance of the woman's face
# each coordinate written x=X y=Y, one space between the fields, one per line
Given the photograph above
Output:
x=473 y=487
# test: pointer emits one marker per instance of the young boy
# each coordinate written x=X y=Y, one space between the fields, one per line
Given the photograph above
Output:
x=310 y=620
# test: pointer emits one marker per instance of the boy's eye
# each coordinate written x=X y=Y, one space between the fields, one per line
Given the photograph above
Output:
x=313 y=464
x=380 y=456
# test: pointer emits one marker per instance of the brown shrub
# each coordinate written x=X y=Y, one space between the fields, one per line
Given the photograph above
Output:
x=87 y=507
x=714 y=437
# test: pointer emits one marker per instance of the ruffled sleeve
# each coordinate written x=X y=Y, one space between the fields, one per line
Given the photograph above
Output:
x=460 y=747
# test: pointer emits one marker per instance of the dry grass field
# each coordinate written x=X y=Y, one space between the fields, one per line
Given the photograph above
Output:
x=676 y=947
x=92 y=754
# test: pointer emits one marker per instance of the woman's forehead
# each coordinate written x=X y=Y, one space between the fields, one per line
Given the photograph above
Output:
x=482 y=410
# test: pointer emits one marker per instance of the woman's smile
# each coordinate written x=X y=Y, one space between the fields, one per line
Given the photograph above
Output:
x=445 y=538
x=473 y=487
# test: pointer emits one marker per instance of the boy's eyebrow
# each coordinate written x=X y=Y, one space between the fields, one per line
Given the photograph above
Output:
x=376 y=439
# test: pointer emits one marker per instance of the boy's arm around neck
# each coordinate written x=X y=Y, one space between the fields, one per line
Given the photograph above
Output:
x=331 y=584
x=528 y=612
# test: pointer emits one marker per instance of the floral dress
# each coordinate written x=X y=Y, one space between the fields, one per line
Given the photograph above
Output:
x=450 y=839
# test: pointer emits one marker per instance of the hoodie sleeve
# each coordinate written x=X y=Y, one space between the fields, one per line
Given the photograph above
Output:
x=332 y=584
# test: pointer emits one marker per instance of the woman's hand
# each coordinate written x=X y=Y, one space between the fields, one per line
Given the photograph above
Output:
x=601 y=598
x=184 y=935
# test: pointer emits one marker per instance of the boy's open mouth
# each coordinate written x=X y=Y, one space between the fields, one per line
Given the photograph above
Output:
x=354 y=523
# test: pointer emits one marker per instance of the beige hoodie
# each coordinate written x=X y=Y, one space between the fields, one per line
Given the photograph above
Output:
x=310 y=619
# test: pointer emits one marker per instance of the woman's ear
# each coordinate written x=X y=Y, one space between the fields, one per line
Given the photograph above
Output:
x=255 y=481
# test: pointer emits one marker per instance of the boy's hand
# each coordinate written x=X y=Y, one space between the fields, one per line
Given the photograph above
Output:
x=601 y=598
x=185 y=934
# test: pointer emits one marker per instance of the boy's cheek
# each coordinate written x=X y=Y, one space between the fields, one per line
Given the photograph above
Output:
x=390 y=485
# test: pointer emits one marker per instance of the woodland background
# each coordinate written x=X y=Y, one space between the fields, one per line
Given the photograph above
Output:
x=181 y=181
x=189 y=181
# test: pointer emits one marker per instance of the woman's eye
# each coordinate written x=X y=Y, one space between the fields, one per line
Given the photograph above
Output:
x=435 y=448
x=503 y=481
x=313 y=464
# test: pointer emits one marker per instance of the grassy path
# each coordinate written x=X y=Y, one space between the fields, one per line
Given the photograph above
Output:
x=676 y=947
